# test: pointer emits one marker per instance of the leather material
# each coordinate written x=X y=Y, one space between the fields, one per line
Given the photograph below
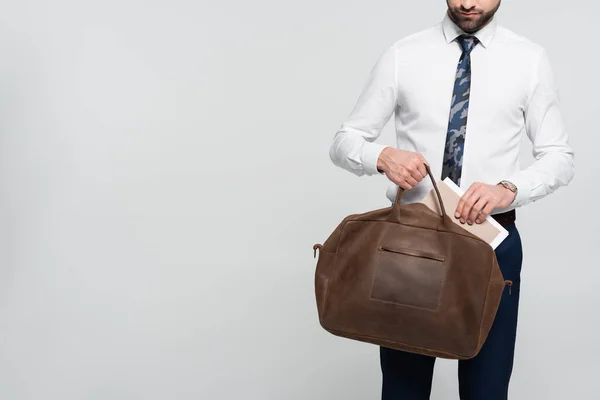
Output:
x=407 y=278
x=506 y=218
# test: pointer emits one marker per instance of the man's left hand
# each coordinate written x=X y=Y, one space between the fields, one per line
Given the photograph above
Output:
x=482 y=197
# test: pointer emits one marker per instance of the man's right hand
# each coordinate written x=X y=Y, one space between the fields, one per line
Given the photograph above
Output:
x=404 y=168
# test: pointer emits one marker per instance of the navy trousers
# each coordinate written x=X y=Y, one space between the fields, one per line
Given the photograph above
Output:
x=408 y=376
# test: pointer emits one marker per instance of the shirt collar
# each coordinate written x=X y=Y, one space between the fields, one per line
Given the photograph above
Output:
x=484 y=35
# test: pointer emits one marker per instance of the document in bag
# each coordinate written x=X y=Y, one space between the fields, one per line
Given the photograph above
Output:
x=489 y=230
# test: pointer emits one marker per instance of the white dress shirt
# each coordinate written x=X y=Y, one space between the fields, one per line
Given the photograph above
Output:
x=512 y=91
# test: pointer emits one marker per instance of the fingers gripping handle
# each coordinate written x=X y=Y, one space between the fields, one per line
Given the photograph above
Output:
x=396 y=206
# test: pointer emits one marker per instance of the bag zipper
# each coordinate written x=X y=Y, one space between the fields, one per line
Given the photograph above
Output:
x=509 y=283
x=315 y=247
x=411 y=252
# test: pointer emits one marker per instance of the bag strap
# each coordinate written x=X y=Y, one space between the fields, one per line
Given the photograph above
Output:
x=396 y=205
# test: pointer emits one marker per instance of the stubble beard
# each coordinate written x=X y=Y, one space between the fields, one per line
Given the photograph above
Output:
x=471 y=24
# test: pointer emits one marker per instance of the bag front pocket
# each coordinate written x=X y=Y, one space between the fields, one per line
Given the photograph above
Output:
x=408 y=277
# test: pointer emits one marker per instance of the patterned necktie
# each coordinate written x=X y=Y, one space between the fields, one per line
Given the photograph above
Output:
x=457 y=122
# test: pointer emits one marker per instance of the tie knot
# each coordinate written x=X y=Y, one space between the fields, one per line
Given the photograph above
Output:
x=467 y=42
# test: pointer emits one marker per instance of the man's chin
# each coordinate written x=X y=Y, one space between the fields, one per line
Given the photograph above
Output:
x=469 y=29
x=469 y=26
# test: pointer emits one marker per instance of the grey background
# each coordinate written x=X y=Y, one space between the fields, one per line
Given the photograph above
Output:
x=164 y=173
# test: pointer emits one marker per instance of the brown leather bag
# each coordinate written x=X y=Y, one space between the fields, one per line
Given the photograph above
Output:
x=406 y=278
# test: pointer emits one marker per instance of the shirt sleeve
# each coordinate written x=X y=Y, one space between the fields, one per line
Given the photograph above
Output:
x=554 y=158
x=353 y=147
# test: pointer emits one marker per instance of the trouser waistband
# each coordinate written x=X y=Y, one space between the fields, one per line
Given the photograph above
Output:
x=505 y=218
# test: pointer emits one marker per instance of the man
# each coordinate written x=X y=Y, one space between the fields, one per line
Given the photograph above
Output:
x=466 y=68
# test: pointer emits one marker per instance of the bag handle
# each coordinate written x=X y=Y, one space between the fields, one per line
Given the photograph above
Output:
x=396 y=205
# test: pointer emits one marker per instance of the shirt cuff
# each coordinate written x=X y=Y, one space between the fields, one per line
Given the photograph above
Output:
x=523 y=189
x=370 y=155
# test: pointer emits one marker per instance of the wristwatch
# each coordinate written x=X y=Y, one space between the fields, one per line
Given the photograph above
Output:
x=509 y=185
